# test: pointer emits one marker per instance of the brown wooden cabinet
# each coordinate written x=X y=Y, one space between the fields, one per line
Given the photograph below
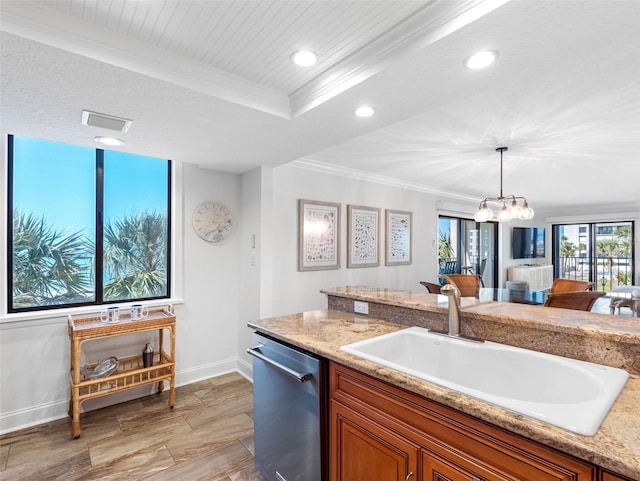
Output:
x=367 y=451
x=380 y=432
x=606 y=476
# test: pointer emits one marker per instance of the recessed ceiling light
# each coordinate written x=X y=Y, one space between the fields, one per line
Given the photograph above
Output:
x=304 y=58
x=481 y=59
x=108 y=140
x=364 y=111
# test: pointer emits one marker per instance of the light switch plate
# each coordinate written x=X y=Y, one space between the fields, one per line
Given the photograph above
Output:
x=361 y=307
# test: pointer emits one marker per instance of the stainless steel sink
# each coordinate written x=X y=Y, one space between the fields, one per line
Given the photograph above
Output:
x=571 y=394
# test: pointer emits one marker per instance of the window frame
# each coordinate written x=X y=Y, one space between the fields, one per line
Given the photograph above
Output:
x=99 y=239
x=592 y=231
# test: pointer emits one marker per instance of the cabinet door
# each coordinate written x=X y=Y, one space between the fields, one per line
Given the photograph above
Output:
x=435 y=468
x=362 y=450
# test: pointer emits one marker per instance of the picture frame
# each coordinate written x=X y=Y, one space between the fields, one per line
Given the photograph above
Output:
x=363 y=236
x=318 y=235
x=398 y=242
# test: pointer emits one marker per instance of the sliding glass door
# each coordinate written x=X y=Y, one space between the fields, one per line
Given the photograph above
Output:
x=468 y=247
x=599 y=252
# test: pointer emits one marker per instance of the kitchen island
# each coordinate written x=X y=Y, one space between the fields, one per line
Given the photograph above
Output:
x=616 y=445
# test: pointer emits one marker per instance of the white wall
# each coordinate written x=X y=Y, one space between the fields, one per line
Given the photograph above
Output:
x=208 y=320
x=253 y=261
x=275 y=287
x=295 y=291
x=34 y=353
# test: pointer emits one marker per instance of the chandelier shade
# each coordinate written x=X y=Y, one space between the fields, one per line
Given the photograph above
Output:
x=506 y=213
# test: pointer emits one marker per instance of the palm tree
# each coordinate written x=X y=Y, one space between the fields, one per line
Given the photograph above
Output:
x=49 y=267
x=623 y=238
x=135 y=257
x=567 y=250
x=610 y=249
x=445 y=247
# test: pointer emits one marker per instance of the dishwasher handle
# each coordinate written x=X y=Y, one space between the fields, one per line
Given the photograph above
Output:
x=287 y=370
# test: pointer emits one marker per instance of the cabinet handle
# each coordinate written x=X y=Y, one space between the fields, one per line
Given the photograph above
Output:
x=476 y=478
x=302 y=377
x=408 y=476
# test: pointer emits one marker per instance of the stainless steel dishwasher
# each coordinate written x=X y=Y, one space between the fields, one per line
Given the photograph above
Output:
x=289 y=412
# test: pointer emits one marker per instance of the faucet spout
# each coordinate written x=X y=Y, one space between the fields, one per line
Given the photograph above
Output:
x=452 y=292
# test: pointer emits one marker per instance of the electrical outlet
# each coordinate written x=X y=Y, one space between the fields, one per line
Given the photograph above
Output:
x=361 y=307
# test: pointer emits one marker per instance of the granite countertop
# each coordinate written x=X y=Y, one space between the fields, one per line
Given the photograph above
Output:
x=616 y=445
x=600 y=338
x=553 y=318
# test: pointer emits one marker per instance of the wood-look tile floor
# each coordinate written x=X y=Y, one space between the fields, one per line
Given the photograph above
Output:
x=208 y=435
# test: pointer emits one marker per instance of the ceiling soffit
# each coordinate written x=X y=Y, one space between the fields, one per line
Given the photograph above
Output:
x=431 y=22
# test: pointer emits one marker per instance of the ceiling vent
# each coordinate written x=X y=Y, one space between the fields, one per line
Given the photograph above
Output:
x=105 y=121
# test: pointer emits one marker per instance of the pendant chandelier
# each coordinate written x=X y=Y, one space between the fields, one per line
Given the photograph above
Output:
x=514 y=211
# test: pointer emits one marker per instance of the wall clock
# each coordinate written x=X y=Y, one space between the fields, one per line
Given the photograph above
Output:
x=212 y=221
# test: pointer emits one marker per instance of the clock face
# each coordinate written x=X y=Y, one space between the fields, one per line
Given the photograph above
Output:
x=212 y=221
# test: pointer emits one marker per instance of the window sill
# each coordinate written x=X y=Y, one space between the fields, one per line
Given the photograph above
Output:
x=57 y=316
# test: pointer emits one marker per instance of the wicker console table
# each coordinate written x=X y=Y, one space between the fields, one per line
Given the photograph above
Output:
x=131 y=371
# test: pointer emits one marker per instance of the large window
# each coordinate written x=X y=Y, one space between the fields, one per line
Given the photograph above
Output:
x=601 y=252
x=85 y=226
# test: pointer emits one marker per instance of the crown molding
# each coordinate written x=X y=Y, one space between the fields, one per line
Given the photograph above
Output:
x=433 y=22
x=332 y=169
x=37 y=23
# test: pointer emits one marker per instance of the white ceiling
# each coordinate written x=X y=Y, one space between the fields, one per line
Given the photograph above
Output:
x=211 y=83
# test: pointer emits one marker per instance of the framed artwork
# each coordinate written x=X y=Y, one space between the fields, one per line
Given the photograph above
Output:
x=363 y=236
x=318 y=235
x=397 y=237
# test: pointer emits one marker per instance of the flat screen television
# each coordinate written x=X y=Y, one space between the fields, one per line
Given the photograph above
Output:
x=527 y=242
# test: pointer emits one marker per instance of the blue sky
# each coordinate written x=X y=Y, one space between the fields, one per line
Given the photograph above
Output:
x=444 y=227
x=58 y=181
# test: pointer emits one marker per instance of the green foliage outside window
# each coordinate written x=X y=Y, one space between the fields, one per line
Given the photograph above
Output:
x=135 y=256
x=49 y=267
x=52 y=268
x=445 y=247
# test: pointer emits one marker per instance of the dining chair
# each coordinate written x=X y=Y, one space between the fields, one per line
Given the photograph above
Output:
x=467 y=284
x=577 y=300
x=570 y=285
x=431 y=287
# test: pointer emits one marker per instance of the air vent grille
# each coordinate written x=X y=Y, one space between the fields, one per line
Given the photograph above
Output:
x=105 y=121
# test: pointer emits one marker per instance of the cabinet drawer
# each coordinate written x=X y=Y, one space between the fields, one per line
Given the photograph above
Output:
x=447 y=469
x=449 y=434
x=605 y=476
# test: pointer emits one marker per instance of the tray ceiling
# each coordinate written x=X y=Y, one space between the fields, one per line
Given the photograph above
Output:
x=211 y=83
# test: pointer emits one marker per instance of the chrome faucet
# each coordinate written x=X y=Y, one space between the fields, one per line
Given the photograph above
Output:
x=452 y=292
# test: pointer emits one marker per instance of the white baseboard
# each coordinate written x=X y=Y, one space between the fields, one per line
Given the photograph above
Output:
x=245 y=369
x=206 y=371
x=43 y=413
x=33 y=415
